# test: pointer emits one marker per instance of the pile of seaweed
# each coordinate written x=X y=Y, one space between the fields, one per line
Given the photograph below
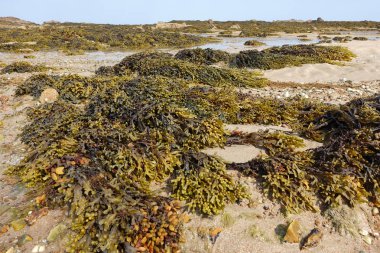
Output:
x=206 y=56
x=71 y=37
x=254 y=43
x=254 y=28
x=99 y=147
x=345 y=170
x=285 y=56
x=163 y=64
x=99 y=158
x=22 y=67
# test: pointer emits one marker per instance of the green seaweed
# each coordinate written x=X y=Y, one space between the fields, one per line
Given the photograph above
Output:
x=285 y=56
x=254 y=43
x=206 y=56
x=22 y=67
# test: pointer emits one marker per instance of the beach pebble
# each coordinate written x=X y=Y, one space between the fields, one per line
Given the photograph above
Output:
x=367 y=239
x=49 y=95
x=11 y=250
x=293 y=232
x=363 y=232
x=375 y=211
x=56 y=232
x=38 y=249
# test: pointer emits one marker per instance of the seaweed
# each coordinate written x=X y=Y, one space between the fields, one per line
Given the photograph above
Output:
x=206 y=56
x=77 y=38
x=272 y=142
x=360 y=38
x=156 y=63
x=280 y=57
x=99 y=157
x=254 y=43
x=205 y=185
x=345 y=170
x=72 y=88
x=22 y=67
x=35 y=85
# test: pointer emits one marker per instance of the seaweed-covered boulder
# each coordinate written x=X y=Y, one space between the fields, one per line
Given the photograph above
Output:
x=22 y=67
x=254 y=43
x=206 y=56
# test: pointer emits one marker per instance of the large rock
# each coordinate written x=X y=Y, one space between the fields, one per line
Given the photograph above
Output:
x=293 y=232
x=49 y=95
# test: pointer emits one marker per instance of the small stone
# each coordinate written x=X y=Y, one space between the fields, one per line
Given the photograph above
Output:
x=56 y=232
x=367 y=239
x=11 y=250
x=21 y=240
x=293 y=232
x=19 y=224
x=312 y=239
x=214 y=234
x=375 y=211
x=4 y=229
x=376 y=235
x=363 y=232
x=49 y=95
x=38 y=249
x=35 y=215
x=35 y=249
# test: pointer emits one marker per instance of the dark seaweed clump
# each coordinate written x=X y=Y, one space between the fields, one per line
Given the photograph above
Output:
x=22 y=67
x=345 y=170
x=108 y=138
x=75 y=38
x=163 y=64
x=285 y=56
x=254 y=43
x=100 y=158
x=206 y=56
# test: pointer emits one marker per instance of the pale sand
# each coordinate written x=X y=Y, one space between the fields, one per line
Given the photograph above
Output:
x=366 y=67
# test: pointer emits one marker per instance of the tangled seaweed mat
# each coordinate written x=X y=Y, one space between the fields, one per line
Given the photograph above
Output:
x=22 y=67
x=286 y=56
x=73 y=38
x=157 y=63
x=99 y=157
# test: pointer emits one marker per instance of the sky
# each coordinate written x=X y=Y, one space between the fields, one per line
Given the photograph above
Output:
x=152 y=11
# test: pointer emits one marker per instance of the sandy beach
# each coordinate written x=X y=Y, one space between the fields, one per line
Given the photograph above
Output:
x=365 y=67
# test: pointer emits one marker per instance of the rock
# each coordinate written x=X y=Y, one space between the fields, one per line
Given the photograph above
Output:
x=367 y=239
x=11 y=250
x=214 y=234
x=49 y=95
x=4 y=229
x=312 y=239
x=38 y=249
x=363 y=232
x=293 y=232
x=56 y=232
x=375 y=211
x=21 y=240
x=376 y=235
x=35 y=215
x=19 y=224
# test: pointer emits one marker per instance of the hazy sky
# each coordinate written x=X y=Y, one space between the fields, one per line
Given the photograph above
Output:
x=151 y=11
